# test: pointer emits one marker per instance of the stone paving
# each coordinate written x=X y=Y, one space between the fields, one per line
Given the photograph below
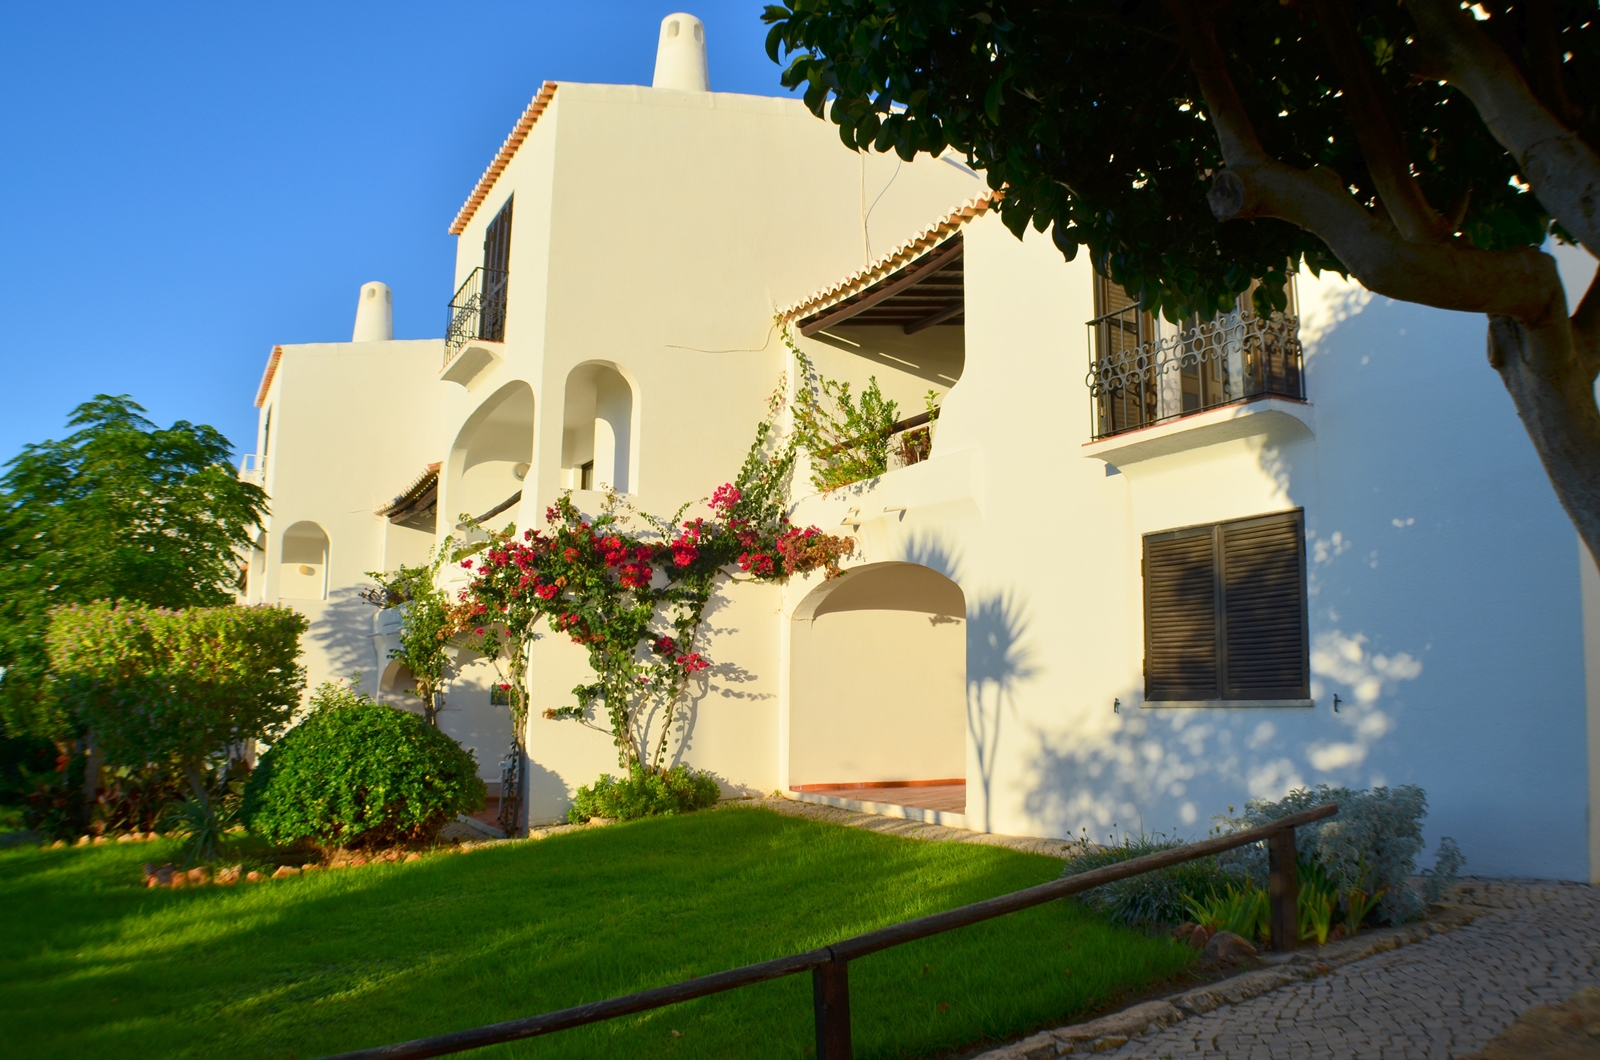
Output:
x=1530 y=943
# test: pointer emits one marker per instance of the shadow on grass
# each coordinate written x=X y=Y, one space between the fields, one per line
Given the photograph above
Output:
x=340 y=960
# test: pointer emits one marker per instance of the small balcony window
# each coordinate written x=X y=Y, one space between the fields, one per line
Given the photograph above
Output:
x=1144 y=370
x=478 y=309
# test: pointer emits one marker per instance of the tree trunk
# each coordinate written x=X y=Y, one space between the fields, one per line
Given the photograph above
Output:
x=1553 y=392
x=428 y=695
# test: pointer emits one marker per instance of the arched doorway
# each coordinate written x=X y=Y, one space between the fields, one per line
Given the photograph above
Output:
x=877 y=688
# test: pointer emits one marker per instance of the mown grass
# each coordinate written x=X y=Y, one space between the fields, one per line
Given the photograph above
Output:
x=92 y=964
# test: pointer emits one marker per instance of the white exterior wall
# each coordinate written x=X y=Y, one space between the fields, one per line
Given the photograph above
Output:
x=1445 y=611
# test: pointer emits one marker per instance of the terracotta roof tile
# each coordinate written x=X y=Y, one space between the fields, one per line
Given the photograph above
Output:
x=519 y=133
x=266 y=376
x=902 y=255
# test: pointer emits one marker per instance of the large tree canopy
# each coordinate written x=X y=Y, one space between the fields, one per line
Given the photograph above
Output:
x=118 y=510
x=1426 y=148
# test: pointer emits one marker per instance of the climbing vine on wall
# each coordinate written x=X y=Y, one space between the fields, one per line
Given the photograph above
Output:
x=632 y=589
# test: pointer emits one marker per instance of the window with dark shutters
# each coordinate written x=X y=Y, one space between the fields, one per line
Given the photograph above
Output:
x=1225 y=612
x=496 y=270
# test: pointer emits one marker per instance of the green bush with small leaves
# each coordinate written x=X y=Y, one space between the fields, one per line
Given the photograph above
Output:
x=358 y=773
x=645 y=794
x=1152 y=898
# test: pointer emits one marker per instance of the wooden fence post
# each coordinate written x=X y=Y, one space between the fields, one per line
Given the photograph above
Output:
x=830 y=993
x=1283 y=890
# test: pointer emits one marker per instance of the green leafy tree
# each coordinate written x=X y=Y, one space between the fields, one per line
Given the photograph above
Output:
x=1426 y=148
x=177 y=689
x=118 y=510
x=426 y=625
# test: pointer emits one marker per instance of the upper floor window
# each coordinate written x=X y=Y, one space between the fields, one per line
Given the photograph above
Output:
x=478 y=308
x=1225 y=613
x=1143 y=369
x=496 y=267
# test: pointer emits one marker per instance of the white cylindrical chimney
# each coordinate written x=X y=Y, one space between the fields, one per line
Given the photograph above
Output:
x=681 y=54
x=374 y=314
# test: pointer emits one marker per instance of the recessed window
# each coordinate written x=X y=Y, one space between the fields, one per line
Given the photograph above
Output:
x=303 y=573
x=1225 y=613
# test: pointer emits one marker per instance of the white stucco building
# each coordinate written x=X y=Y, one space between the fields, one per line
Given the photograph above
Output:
x=1279 y=558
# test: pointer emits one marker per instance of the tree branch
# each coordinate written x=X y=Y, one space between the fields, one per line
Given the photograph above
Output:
x=1586 y=328
x=1377 y=127
x=1544 y=62
x=1563 y=170
x=1521 y=283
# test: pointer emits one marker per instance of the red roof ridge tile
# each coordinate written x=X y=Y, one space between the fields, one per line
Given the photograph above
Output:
x=519 y=133
x=266 y=377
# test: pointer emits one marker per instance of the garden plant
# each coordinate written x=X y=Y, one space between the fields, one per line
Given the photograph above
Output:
x=359 y=773
x=177 y=691
x=634 y=595
x=120 y=509
x=1353 y=869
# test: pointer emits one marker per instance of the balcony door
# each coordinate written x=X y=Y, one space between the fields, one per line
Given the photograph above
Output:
x=496 y=266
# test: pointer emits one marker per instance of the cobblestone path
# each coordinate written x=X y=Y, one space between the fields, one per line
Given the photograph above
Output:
x=1532 y=943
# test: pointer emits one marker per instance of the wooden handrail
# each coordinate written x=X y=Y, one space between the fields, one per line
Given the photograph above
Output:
x=829 y=964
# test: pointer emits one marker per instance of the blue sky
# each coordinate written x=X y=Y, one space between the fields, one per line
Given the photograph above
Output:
x=182 y=186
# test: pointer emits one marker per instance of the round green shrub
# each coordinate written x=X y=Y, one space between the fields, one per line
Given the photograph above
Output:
x=645 y=794
x=356 y=772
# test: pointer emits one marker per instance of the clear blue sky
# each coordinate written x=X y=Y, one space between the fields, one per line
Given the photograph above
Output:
x=183 y=185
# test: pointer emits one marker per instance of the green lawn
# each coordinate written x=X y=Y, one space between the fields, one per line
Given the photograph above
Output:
x=92 y=964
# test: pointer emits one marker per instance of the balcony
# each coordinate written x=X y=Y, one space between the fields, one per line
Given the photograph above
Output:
x=253 y=469
x=1138 y=380
x=478 y=311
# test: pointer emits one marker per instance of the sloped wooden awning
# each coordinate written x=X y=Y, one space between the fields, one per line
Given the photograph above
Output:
x=920 y=294
x=417 y=502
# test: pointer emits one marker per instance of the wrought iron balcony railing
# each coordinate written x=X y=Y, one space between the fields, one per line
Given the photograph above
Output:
x=478 y=311
x=1136 y=380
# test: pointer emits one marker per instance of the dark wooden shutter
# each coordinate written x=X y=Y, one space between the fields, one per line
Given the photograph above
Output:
x=1264 y=609
x=496 y=263
x=1180 y=608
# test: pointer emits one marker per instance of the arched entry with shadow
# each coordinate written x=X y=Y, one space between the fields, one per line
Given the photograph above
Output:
x=492 y=456
x=877 y=689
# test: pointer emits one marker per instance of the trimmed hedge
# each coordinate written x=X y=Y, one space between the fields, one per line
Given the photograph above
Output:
x=357 y=772
x=645 y=794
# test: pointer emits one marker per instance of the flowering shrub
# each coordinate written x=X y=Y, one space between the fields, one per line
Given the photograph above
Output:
x=645 y=794
x=634 y=598
x=356 y=772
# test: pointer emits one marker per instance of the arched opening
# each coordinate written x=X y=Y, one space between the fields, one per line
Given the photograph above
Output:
x=492 y=455
x=597 y=435
x=303 y=573
x=877 y=693
x=397 y=686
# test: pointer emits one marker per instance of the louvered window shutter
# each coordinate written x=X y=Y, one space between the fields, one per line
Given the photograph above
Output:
x=1180 y=606
x=1264 y=609
x=1225 y=612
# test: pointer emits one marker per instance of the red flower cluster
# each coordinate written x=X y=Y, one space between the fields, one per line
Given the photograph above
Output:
x=692 y=663
x=724 y=498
